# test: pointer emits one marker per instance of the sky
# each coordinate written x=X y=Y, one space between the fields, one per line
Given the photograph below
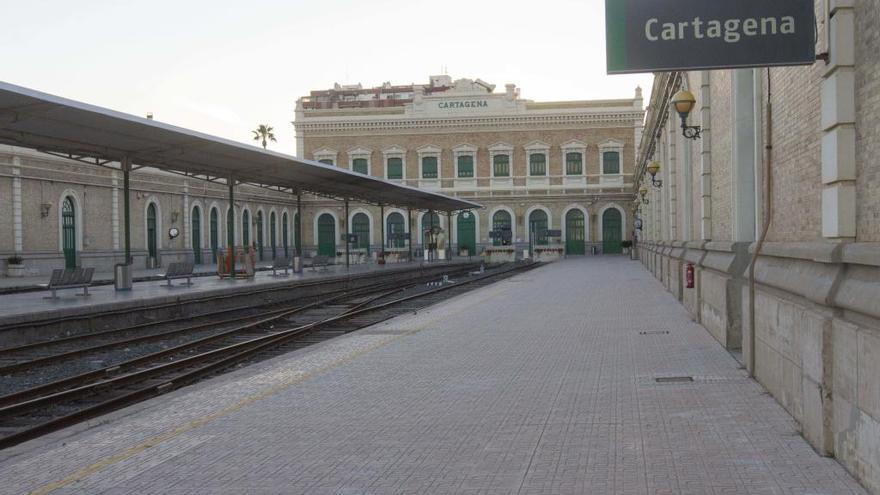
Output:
x=224 y=67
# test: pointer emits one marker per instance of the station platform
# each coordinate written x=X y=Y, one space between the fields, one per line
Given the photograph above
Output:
x=545 y=383
x=22 y=307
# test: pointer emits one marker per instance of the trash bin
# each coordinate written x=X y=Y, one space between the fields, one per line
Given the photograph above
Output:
x=122 y=276
x=297 y=264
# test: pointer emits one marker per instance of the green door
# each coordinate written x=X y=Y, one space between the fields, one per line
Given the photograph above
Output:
x=245 y=229
x=260 y=234
x=395 y=225
x=152 y=233
x=612 y=232
x=272 y=240
x=538 y=228
x=501 y=223
x=215 y=235
x=326 y=235
x=68 y=233
x=467 y=233
x=574 y=232
x=360 y=226
x=284 y=233
x=197 y=235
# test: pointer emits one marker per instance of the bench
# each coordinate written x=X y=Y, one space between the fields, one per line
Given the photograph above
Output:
x=179 y=269
x=320 y=261
x=278 y=264
x=70 y=278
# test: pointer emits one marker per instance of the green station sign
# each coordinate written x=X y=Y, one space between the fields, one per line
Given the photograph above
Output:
x=669 y=35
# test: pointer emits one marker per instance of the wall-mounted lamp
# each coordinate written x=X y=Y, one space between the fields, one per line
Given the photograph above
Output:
x=653 y=168
x=643 y=191
x=684 y=102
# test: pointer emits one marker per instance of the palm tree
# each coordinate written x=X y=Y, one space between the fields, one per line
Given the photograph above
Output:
x=264 y=133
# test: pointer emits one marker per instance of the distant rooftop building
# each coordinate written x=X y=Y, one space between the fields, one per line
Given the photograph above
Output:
x=387 y=95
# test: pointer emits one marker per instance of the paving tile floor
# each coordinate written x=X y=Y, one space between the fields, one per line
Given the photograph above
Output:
x=541 y=384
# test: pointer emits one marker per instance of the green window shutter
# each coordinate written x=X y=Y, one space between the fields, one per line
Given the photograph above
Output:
x=574 y=163
x=326 y=161
x=429 y=167
x=501 y=165
x=360 y=166
x=395 y=168
x=611 y=162
x=537 y=164
x=465 y=166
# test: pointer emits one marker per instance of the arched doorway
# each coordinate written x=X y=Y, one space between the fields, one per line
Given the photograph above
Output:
x=273 y=241
x=285 y=232
x=612 y=232
x=502 y=224
x=215 y=235
x=429 y=220
x=466 y=233
x=395 y=225
x=574 y=232
x=197 y=235
x=245 y=229
x=68 y=232
x=152 y=234
x=538 y=227
x=360 y=226
x=326 y=235
x=260 y=234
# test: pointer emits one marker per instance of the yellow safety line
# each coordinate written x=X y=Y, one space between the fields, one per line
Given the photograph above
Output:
x=196 y=423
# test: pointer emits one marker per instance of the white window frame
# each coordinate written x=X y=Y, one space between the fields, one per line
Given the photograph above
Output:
x=464 y=150
x=325 y=154
x=611 y=145
x=574 y=146
x=430 y=151
x=359 y=152
x=537 y=148
x=500 y=149
x=394 y=152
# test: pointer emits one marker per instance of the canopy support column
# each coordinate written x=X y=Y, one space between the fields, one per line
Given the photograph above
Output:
x=409 y=225
x=297 y=231
x=230 y=230
x=123 y=271
x=382 y=231
x=449 y=235
x=347 y=240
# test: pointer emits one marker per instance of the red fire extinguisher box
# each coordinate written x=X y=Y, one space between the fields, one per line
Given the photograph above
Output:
x=689 y=275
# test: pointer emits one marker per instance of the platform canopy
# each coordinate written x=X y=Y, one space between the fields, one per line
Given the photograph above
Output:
x=84 y=132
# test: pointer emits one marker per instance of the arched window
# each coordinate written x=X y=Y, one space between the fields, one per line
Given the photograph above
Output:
x=395 y=225
x=260 y=234
x=152 y=232
x=360 y=226
x=245 y=228
x=285 y=232
x=502 y=225
x=272 y=236
x=538 y=227
x=68 y=232
x=196 y=221
x=215 y=234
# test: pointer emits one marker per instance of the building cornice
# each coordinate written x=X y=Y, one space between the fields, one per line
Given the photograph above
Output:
x=315 y=127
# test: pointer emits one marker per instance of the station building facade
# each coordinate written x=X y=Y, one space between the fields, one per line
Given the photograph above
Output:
x=56 y=212
x=789 y=152
x=535 y=166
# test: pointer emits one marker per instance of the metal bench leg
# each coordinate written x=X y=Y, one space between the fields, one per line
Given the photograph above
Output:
x=86 y=291
x=53 y=296
x=168 y=281
x=188 y=282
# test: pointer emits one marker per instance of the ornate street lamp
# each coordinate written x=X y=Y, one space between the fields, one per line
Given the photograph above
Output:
x=653 y=168
x=684 y=102
x=643 y=191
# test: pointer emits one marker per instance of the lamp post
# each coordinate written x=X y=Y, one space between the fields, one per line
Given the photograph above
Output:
x=643 y=191
x=684 y=102
x=653 y=168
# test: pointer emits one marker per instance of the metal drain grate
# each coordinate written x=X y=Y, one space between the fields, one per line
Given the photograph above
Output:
x=674 y=379
x=655 y=332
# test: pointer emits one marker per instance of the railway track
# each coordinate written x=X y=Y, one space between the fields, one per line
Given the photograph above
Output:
x=32 y=412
